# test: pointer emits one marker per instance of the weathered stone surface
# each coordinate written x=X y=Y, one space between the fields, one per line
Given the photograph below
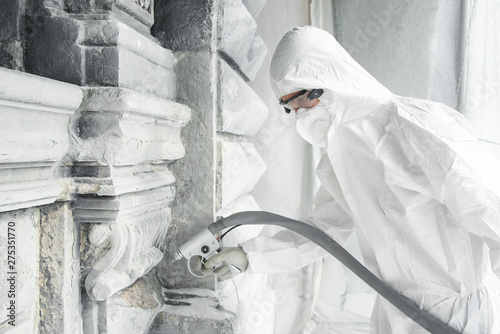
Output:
x=241 y=169
x=238 y=30
x=21 y=280
x=59 y=278
x=24 y=195
x=110 y=66
x=119 y=185
x=127 y=139
x=115 y=33
x=47 y=103
x=130 y=311
x=193 y=206
x=99 y=51
x=185 y=25
x=104 y=209
x=122 y=127
x=134 y=309
x=129 y=251
x=242 y=111
x=128 y=101
x=12 y=34
x=134 y=13
x=117 y=55
x=27 y=161
x=192 y=311
x=255 y=58
x=254 y=6
x=53 y=48
x=78 y=6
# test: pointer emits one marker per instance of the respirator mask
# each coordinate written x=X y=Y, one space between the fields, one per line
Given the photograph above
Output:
x=312 y=118
x=313 y=124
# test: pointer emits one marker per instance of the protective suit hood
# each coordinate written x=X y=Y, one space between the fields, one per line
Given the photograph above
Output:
x=308 y=58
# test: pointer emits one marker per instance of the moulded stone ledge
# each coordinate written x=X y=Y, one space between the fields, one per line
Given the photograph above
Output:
x=115 y=186
x=242 y=111
x=29 y=106
x=116 y=66
x=38 y=93
x=14 y=196
x=117 y=55
x=123 y=100
x=125 y=139
x=116 y=209
x=116 y=33
x=120 y=127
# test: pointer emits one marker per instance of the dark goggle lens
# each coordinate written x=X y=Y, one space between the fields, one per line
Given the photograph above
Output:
x=313 y=94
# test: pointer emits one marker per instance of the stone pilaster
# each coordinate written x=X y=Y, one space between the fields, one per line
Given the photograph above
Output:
x=218 y=51
x=59 y=278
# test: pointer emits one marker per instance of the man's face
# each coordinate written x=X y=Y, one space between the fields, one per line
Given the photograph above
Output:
x=299 y=101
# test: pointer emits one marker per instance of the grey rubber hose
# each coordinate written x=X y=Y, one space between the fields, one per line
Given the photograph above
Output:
x=424 y=319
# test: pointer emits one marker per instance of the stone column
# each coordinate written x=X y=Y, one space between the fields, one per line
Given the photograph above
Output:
x=218 y=51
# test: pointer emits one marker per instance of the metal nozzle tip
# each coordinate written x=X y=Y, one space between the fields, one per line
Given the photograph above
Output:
x=177 y=256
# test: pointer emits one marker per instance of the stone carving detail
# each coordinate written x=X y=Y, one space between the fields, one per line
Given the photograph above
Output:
x=132 y=250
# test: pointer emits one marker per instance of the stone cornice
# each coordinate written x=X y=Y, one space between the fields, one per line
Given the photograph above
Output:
x=115 y=186
x=123 y=100
x=27 y=91
x=107 y=32
x=35 y=113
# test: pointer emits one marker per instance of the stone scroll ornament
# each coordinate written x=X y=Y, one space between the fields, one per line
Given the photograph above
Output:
x=132 y=251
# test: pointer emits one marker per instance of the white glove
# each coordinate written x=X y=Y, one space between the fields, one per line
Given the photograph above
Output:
x=234 y=261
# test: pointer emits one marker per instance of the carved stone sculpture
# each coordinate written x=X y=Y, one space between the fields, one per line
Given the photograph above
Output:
x=132 y=251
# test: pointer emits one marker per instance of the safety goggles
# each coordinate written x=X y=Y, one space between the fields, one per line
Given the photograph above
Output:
x=303 y=99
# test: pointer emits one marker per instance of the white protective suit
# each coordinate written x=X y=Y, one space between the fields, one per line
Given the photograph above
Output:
x=409 y=177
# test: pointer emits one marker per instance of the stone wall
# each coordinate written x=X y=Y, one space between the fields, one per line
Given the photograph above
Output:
x=86 y=145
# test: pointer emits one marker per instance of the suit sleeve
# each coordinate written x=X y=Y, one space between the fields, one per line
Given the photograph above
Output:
x=288 y=251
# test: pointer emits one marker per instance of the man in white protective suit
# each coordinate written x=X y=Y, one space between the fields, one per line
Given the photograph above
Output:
x=408 y=176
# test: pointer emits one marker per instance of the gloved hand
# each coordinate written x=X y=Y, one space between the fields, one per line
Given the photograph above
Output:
x=234 y=256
